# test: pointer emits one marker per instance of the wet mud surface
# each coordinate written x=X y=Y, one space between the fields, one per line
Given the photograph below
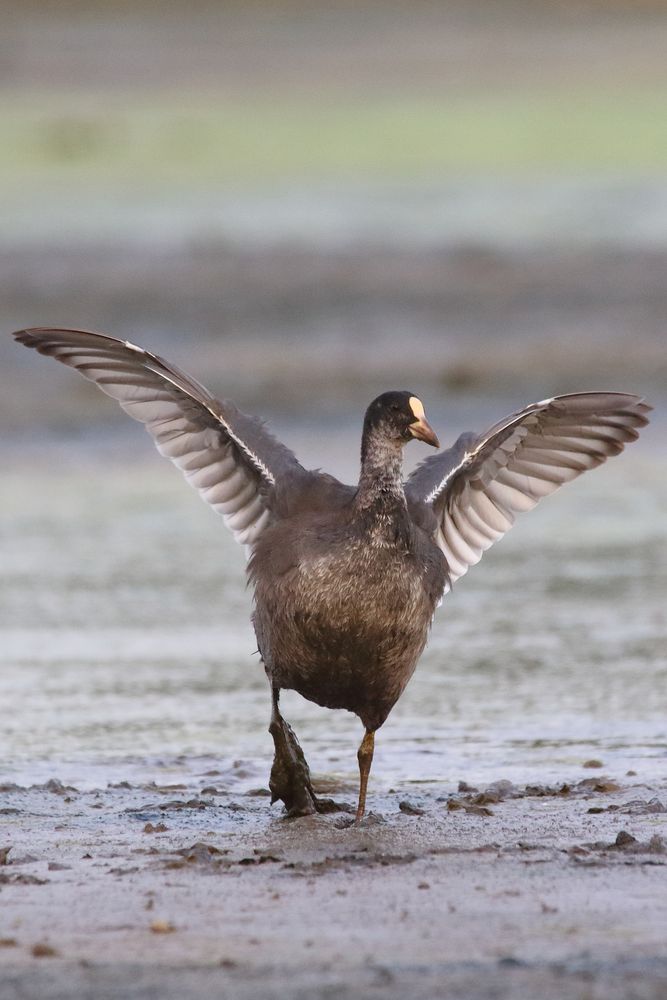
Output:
x=195 y=886
x=515 y=844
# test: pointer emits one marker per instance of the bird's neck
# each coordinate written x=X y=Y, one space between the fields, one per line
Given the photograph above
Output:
x=381 y=480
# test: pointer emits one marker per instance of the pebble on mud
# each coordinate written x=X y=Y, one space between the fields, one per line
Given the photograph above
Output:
x=43 y=950
x=162 y=927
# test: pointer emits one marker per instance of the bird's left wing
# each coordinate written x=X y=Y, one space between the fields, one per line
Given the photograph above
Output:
x=478 y=487
x=230 y=458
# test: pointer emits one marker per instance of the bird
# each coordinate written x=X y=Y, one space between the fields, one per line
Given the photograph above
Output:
x=347 y=578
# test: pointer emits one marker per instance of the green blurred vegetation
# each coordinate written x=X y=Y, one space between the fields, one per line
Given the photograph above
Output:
x=201 y=141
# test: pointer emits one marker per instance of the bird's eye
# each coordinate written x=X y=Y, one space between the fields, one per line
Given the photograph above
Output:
x=395 y=407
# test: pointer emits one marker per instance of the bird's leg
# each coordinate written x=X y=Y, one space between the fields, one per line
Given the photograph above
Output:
x=290 y=774
x=365 y=758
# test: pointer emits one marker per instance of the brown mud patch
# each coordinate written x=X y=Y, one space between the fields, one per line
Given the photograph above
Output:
x=530 y=891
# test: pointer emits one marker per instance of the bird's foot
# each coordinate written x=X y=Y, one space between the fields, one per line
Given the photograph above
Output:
x=315 y=805
x=290 y=776
x=331 y=806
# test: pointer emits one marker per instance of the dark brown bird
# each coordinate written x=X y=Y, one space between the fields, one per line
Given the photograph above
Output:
x=347 y=578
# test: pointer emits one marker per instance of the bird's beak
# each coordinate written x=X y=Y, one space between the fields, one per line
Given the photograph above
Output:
x=421 y=429
x=424 y=432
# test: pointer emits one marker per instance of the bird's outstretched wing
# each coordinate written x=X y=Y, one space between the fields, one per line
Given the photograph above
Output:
x=227 y=456
x=478 y=486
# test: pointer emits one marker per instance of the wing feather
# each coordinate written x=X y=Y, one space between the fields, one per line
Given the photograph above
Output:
x=478 y=487
x=230 y=458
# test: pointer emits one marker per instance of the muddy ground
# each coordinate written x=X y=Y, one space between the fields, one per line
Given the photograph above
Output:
x=188 y=889
x=120 y=633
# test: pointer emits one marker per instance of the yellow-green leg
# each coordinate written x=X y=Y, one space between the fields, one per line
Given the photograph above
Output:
x=365 y=758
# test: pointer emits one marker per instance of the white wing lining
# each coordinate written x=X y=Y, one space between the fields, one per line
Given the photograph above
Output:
x=188 y=425
x=522 y=459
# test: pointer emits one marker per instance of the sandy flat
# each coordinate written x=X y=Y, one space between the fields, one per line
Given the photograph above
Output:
x=194 y=891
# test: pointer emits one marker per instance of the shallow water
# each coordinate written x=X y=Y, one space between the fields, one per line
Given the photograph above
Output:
x=127 y=652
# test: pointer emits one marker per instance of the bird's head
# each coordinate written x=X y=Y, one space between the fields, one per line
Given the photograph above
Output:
x=399 y=416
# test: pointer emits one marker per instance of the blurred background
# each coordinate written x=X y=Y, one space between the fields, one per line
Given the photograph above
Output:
x=295 y=198
x=304 y=204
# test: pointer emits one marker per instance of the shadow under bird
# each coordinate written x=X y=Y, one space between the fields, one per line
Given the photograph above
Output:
x=347 y=578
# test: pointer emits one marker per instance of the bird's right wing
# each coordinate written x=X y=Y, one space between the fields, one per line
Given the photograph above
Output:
x=478 y=487
x=230 y=458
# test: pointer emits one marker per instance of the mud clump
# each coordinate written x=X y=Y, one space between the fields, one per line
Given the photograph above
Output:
x=602 y=785
x=172 y=806
x=200 y=855
x=630 y=845
x=409 y=809
x=164 y=789
x=637 y=807
x=56 y=787
x=471 y=800
x=625 y=844
x=21 y=879
x=162 y=927
x=43 y=950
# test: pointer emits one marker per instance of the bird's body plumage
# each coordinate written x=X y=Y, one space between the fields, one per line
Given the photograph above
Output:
x=347 y=579
x=342 y=606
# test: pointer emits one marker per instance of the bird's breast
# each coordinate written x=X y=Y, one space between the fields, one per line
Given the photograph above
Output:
x=345 y=624
x=361 y=581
